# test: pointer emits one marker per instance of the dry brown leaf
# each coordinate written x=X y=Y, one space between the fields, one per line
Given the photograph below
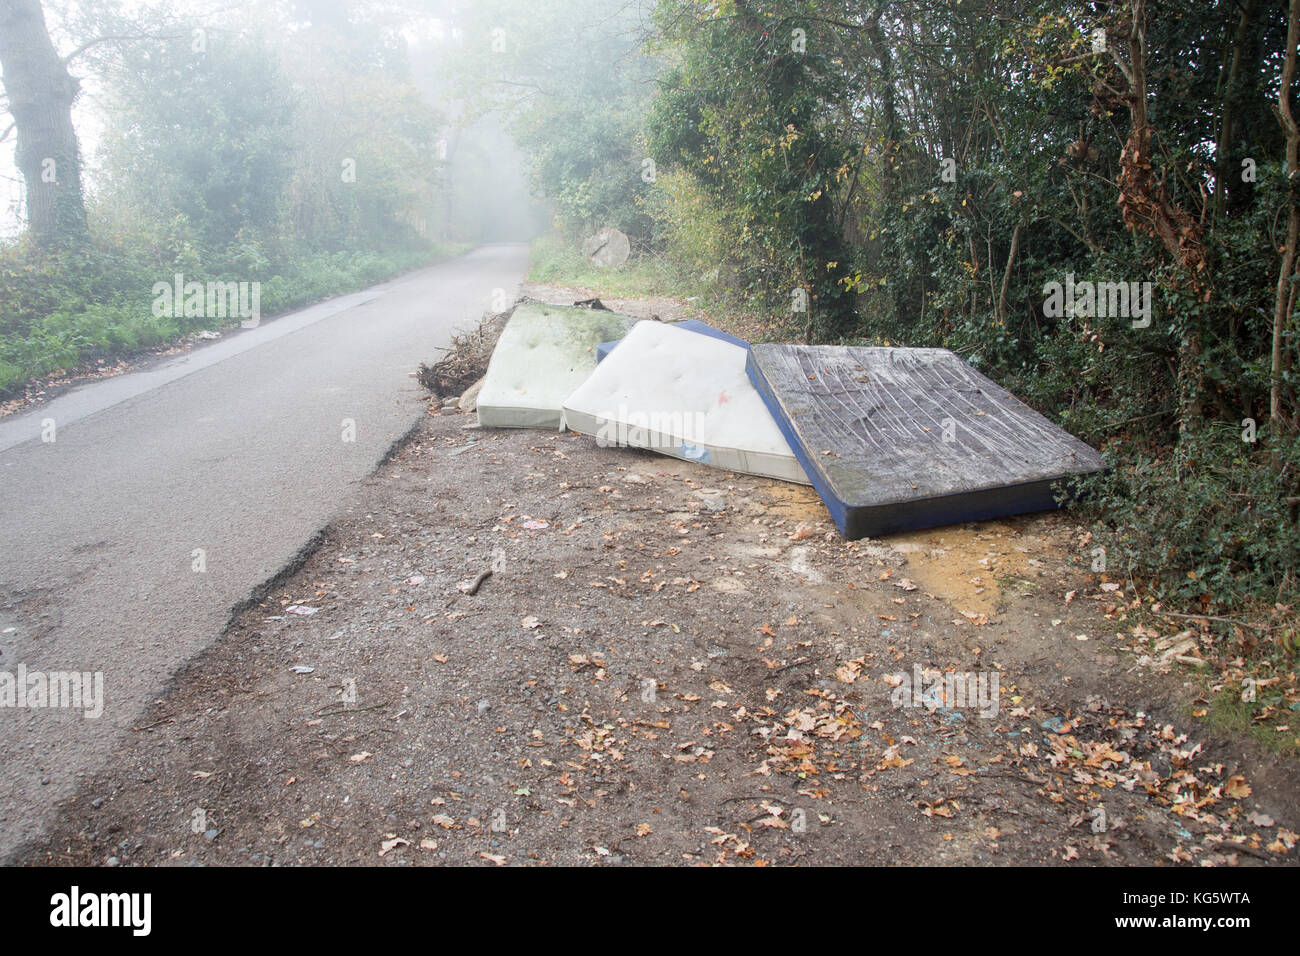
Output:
x=1237 y=787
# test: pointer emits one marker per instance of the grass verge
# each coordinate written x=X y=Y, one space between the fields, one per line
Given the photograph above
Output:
x=60 y=315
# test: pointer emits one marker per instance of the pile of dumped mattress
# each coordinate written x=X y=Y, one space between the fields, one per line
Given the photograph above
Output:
x=891 y=438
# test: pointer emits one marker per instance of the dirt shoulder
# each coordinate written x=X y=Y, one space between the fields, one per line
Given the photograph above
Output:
x=671 y=664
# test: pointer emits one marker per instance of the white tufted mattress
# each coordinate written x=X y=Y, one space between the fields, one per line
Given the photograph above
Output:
x=686 y=395
x=544 y=353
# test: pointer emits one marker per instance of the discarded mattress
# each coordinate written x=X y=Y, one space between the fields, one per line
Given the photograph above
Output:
x=543 y=354
x=686 y=395
x=896 y=439
x=693 y=325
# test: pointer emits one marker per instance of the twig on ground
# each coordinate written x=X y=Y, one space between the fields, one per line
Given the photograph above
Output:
x=1222 y=620
x=156 y=723
x=478 y=582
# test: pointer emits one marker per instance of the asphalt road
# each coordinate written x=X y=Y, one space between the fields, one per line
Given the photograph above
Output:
x=237 y=451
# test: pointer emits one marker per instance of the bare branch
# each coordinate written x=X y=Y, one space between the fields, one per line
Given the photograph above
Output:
x=118 y=38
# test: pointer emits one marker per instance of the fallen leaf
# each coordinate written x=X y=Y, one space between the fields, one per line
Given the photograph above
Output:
x=1237 y=787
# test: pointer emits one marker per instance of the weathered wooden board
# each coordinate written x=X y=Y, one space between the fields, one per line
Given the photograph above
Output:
x=895 y=439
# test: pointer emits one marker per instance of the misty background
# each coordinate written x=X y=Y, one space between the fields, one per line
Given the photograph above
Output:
x=477 y=192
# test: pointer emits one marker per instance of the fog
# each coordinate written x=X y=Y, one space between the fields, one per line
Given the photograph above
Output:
x=452 y=83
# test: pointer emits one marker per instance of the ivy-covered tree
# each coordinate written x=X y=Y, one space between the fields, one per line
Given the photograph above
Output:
x=40 y=93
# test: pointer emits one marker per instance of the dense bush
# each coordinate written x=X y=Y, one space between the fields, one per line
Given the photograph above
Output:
x=940 y=167
x=1203 y=522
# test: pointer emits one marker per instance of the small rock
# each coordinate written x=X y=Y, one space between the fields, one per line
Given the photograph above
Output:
x=210 y=835
x=469 y=400
x=484 y=706
x=112 y=861
x=607 y=248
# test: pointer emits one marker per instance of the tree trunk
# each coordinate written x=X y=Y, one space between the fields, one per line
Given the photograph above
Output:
x=1147 y=207
x=41 y=93
x=1229 y=95
x=1006 y=275
x=888 y=105
x=1144 y=198
x=1287 y=270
